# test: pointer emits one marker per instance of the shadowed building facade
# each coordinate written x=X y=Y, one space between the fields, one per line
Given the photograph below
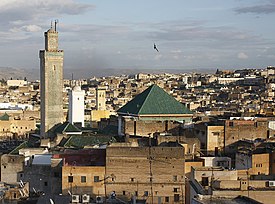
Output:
x=51 y=79
x=149 y=174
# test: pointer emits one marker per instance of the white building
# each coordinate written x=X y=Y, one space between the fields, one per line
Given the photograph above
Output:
x=13 y=82
x=76 y=106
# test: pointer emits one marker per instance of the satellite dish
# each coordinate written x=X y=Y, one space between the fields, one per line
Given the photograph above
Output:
x=51 y=201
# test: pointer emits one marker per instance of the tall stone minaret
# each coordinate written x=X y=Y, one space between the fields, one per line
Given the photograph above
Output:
x=100 y=98
x=51 y=83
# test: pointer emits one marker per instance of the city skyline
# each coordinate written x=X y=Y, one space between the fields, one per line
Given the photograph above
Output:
x=121 y=34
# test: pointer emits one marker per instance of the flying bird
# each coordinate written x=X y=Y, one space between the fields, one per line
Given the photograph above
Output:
x=155 y=47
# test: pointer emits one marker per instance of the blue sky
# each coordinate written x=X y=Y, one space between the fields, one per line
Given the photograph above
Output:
x=225 y=34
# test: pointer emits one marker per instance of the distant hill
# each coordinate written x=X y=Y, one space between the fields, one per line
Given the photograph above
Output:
x=33 y=74
x=17 y=73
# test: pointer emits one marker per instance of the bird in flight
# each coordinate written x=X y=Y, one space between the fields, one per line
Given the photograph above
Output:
x=155 y=47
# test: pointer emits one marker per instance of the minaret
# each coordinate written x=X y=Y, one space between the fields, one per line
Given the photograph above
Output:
x=76 y=106
x=51 y=83
x=100 y=98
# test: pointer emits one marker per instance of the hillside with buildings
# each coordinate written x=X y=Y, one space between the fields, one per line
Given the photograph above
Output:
x=142 y=138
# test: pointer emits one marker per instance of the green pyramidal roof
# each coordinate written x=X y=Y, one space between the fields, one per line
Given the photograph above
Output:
x=154 y=101
x=67 y=127
x=5 y=117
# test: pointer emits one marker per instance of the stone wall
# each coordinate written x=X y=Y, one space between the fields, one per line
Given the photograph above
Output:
x=144 y=171
x=12 y=167
x=144 y=127
x=236 y=130
x=85 y=180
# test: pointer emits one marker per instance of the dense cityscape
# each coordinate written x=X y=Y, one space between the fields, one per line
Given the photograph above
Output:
x=143 y=138
x=137 y=102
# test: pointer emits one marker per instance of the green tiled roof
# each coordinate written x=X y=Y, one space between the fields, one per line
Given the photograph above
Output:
x=154 y=101
x=22 y=145
x=5 y=117
x=67 y=127
x=77 y=141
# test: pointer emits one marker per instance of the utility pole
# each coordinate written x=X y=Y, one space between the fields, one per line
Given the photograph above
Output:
x=150 y=168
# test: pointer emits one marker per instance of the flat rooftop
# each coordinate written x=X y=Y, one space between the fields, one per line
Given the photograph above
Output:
x=223 y=200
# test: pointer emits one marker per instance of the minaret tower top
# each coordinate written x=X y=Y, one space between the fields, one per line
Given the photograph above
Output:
x=51 y=39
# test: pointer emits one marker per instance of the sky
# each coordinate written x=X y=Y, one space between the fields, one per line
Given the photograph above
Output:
x=94 y=34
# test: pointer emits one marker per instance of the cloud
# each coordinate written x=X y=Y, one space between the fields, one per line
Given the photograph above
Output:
x=242 y=55
x=178 y=51
x=158 y=57
x=266 y=8
x=23 y=17
x=179 y=31
x=27 y=28
x=35 y=9
x=23 y=13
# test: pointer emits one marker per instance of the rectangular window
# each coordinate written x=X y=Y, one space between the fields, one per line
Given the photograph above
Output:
x=146 y=193
x=216 y=133
x=167 y=199
x=231 y=124
x=70 y=179
x=175 y=189
x=204 y=181
x=123 y=193
x=132 y=179
x=175 y=178
x=83 y=179
x=176 y=197
x=136 y=193
x=135 y=127
x=96 y=178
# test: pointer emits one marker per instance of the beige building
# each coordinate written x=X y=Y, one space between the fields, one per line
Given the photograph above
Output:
x=97 y=115
x=14 y=82
x=211 y=137
x=219 y=183
x=263 y=163
x=80 y=180
x=240 y=129
x=12 y=167
x=10 y=127
x=152 y=174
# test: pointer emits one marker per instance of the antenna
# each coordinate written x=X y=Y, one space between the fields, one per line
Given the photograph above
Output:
x=72 y=81
x=55 y=24
x=150 y=168
x=51 y=24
